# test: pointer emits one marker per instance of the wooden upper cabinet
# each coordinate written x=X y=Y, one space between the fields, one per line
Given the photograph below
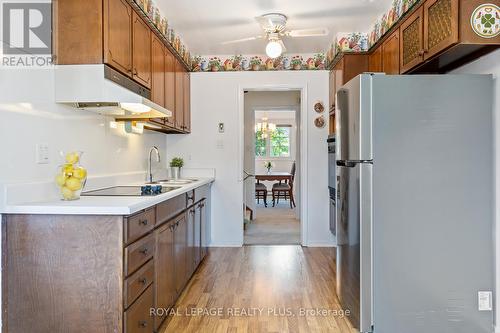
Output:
x=118 y=35
x=411 y=41
x=170 y=86
x=187 y=102
x=440 y=26
x=158 y=71
x=390 y=54
x=141 y=51
x=179 y=95
x=375 y=60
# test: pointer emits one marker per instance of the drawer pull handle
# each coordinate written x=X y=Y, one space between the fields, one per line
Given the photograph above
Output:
x=143 y=280
x=145 y=251
x=143 y=222
x=143 y=323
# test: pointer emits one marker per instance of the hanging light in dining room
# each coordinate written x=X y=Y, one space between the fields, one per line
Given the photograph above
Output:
x=265 y=127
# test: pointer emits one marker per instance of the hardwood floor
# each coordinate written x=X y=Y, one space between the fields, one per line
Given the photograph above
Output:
x=273 y=284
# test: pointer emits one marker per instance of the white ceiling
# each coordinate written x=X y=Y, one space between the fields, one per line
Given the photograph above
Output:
x=204 y=24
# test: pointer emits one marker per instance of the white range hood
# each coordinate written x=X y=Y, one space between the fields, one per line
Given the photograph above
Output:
x=101 y=89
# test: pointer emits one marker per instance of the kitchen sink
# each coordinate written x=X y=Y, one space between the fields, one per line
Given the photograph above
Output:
x=173 y=182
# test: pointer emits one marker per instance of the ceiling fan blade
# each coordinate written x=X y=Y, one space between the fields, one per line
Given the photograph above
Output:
x=242 y=40
x=307 y=32
x=283 y=48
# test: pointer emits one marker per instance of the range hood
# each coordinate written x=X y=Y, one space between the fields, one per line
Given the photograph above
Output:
x=101 y=89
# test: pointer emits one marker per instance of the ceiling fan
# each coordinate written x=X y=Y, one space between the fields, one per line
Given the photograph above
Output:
x=274 y=27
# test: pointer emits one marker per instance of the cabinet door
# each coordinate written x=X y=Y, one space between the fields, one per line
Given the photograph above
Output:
x=180 y=247
x=179 y=95
x=190 y=241
x=375 y=60
x=118 y=35
x=411 y=41
x=204 y=229
x=440 y=25
x=197 y=236
x=164 y=269
x=141 y=51
x=187 y=102
x=390 y=54
x=158 y=71
x=170 y=86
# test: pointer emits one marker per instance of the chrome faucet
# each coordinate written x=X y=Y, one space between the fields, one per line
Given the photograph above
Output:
x=154 y=148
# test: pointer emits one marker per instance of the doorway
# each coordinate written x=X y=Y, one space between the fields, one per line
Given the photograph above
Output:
x=272 y=167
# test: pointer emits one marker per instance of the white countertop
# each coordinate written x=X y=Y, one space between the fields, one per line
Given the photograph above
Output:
x=100 y=205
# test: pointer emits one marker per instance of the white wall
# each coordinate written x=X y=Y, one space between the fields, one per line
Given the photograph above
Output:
x=215 y=97
x=490 y=64
x=29 y=116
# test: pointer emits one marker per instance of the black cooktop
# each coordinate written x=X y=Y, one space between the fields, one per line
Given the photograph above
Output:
x=130 y=191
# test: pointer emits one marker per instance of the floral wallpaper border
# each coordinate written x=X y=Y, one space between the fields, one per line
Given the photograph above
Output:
x=358 y=42
x=258 y=63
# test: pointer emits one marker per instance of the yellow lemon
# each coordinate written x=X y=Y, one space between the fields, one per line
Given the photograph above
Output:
x=72 y=158
x=60 y=179
x=80 y=173
x=67 y=193
x=73 y=184
x=68 y=169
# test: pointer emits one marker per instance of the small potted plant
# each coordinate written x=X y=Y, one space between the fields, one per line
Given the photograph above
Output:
x=296 y=62
x=268 y=165
x=214 y=64
x=175 y=167
x=255 y=63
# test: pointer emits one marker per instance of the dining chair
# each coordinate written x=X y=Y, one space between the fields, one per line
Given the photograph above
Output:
x=285 y=190
x=261 y=192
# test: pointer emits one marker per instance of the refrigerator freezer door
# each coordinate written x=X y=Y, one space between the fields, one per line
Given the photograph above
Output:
x=353 y=116
x=354 y=276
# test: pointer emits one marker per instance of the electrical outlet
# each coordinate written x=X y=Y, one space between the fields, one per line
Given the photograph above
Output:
x=221 y=127
x=42 y=153
x=220 y=144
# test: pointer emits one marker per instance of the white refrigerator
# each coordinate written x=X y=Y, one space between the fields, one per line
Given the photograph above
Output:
x=415 y=191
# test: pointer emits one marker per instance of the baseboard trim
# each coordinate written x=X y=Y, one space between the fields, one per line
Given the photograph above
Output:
x=319 y=244
x=225 y=245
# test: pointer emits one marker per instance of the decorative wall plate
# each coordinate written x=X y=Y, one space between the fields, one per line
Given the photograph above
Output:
x=319 y=108
x=485 y=20
x=319 y=122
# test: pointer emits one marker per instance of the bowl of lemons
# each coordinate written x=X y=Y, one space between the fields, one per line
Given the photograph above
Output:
x=71 y=176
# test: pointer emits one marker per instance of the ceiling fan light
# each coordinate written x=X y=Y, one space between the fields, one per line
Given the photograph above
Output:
x=273 y=49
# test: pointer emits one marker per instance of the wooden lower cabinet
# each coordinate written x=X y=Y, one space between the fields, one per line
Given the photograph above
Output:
x=164 y=262
x=79 y=273
x=180 y=253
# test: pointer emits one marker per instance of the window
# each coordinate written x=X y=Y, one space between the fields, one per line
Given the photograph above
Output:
x=276 y=144
x=280 y=142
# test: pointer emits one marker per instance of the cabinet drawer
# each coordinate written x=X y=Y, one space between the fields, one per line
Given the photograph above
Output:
x=138 y=253
x=138 y=282
x=139 y=224
x=137 y=318
x=170 y=208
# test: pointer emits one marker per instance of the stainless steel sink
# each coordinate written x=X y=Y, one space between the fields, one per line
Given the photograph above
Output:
x=173 y=182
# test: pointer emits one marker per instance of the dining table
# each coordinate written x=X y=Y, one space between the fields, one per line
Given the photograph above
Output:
x=274 y=176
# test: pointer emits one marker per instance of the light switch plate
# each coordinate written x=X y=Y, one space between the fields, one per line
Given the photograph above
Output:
x=485 y=300
x=42 y=153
